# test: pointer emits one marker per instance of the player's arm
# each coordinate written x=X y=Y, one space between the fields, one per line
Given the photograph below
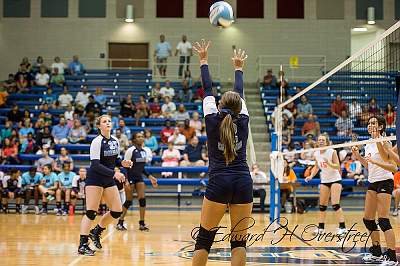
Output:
x=388 y=166
x=202 y=52
x=335 y=164
x=356 y=153
x=314 y=172
x=383 y=149
x=96 y=166
x=238 y=63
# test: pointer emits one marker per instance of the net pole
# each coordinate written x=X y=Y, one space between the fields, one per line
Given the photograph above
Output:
x=274 y=194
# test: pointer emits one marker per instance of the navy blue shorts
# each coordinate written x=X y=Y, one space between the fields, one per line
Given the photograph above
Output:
x=233 y=189
x=384 y=186
x=134 y=180
x=100 y=182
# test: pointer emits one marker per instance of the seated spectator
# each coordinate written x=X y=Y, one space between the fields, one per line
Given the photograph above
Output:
x=354 y=169
x=355 y=110
x=188 y=131
x=45 y=159
x=291 y=158
x=65 y=98
x=123 y=140
x=292 y=107
x=364 y=118
x=196 y=123
x=307 y=156
x=69 y=115
x=170 y=158
x=284 y=84
x=93 y=107
x=178 y=139
x=42 y=79
x=344 y=125
x=260 y=183
x=38 y=64
x=373 y=107
x=57 y=79
x=50 y=98
x=155 y=109
x=6 y=130
x=269 y=79
x=26 y=129
x=181 y=114
x=9 y=152
x=142 y=111
x=9 y=84
x=128 y=108
x=76 y=67
x=166 y=132
x=286 y=131
x=155 y=92
x=60 y=132
x=311 y=126
x=28 y=145
x=194 y=155
x=304 y=108
x=3 y=97
x=100 y=97
x=58 y=66
x=90 y=125
x=396 y=194
x=199 y=95
x=390 y=116
x=25 y=62
x=124 y=129
x=284 y=112
x=287 y=185
x=168 y=108
x=167 y=90
x=185 y=94
x=25 y=73
x=63 y=158
x=82 y=97
x=44 y=138
x=337 y=106
x=188 y=77
x=77 y=133
x=22 y=84
x=150 y=141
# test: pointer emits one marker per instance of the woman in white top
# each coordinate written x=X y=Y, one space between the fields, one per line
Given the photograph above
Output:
x=378 y=198
x=331 y=184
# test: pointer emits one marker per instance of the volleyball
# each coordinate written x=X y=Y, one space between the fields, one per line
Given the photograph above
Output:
x=221 y=14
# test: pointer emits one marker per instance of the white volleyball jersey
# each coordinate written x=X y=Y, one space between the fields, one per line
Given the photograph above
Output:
x=376 y=173
x=328 y=174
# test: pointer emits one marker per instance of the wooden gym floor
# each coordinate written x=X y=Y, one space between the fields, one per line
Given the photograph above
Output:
x=52 y=240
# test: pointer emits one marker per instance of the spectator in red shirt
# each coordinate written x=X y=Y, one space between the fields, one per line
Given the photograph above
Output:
x=373 y=107
x=200 y=94
x=10 y=152
x=390 y=116
x=311 y=126
x=166 y=132
x=338 y=106
x=155 y=108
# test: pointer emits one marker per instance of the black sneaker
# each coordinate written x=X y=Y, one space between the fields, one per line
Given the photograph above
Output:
x=85 y=250
x=59 y=212
x=143 y=228
x=120 y=227
x=96 y=239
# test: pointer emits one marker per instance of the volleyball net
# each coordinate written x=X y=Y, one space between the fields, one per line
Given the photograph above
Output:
x=338 y=105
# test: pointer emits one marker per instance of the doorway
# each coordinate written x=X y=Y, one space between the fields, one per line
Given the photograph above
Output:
x=128 y=55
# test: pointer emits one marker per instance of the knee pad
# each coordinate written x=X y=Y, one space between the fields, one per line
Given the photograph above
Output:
x=142 y=202
x=238 y=244
x=204 y=239
x=115 y=215
x=336 y=207
x=323 y=208
x=127 y=204
x=370 y=225
x=384 y=224
x=91 y=214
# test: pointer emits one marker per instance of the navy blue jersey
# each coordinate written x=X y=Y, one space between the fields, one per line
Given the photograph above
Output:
x=139 y=157
x=104 y=155
x=12 y=183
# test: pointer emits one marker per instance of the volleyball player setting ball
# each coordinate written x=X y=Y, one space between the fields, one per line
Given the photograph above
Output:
x=378 y=197
x=104 y=153
x=230 y=183
x=331 y=184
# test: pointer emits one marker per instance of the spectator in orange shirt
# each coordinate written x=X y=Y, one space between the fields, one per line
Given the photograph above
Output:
x=188 y=131
x=286 y=186
x=338 y=106
x=396 y=193
x=311 y=126
x=3 y=98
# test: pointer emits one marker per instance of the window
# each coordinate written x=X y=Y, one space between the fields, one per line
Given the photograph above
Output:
x=170 y=8
x=250 y=9
x=16 y=8
x=54 y=8
x=92 y=8
x=290 y=8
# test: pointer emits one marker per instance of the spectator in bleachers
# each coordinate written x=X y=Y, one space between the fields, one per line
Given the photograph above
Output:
x=307 y=155
x=200 y=94
x=355 y=110
x=365 y=116
x=90 y=125
x=77 y=133
x=170 y=158
x=150 y=141
x=62 y=159
x=188 y=78
x=166 y=132
x=9 y=152
x=167 y=90
x=9 y=84
x=291 y=158
x=259 y=184
x=396 y=194
x=93 y=107
x=22 y=84
x=286 y=131
x=353 y=168
x=3 y=97
x=15 y=115
x=65 y=98
x=309 y=140
x=142 y=111
x=181 y=114
x=57 y=79
x=311 y=126
x=76 y=67
x=269 y=79
x=161 y=53
x=373 y=107
x=44 y=138
x=168 y=108
x=337 y=106
x=49 y=187
x=284 y=84
x=155 y=92
x=28 y=145
x=123 y=140
x=178 y=139
x=196 y=123
x=194 y=154
x=291 y=107
x=284 y=112
x=82 y=97
x=45 y=159
x=25 y=73
x=58 y=65
x=185 y=94
x=128 y=108
x=184 y=48
x=304 y=108
x=100 y=97
x=344 y=125
x=287 y=185
x=6 y=130
x=188 y=131
x=37 y=64
x=25 y=129
x=69 y=115
x=26 y=63
x=124 y=129
x=390 y=116
x=155 y=109
x=42 y=79
x=60 y=132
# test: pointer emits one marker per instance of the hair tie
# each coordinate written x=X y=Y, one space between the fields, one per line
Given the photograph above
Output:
x=227 y=111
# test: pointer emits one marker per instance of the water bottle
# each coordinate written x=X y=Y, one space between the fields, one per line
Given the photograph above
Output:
x=288 y=207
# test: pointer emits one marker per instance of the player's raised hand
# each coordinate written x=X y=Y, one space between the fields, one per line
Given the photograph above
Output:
x=239 y=56
x=202 y=50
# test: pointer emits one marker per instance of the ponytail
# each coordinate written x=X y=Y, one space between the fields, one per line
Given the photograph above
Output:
x=227 y=137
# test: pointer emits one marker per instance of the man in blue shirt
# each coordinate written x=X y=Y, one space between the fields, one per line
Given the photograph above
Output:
x=60 y=132
x=194 y=155
x=161 y=53
x=76 y=67
x=30 y=182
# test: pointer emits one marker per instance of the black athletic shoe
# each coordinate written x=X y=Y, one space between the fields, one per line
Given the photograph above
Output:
x=143 y=228
x=120 y=227
x=86 y=250
x=96 y=239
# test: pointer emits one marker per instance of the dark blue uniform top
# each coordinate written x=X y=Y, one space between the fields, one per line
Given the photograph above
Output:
x=139 y=157
x=213 y=119
x=104 y=155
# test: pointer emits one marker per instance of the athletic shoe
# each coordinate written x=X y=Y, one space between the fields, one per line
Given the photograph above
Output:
x=85 y=250
x=143 y=228
x=369 y=258
x=5 y=211
x=387 y=262
x=341 y=231
x=25 y=208
x=50 y=197
x=318 y=231
x=18 y=211
x=43 y=211
x=37 y=211
x=64 y=212
x=96 y=239
x=120 y=227
x=59 y=212
x=395 y=212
